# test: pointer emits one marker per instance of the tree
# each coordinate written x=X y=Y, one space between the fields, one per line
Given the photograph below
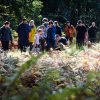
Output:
x=73 y=10
x=14 y=10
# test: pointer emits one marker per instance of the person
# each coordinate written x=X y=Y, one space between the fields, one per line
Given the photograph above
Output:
x=5 y=35
x=45 y=20
x=92 y=31
x=60 y=39
x=51 y=36
x=23 y=35
x=32 y=34
x=45 y=24
x=37 y=40
x=43 y=37
x=81 y=33
x=58 y=28
x=69 y=31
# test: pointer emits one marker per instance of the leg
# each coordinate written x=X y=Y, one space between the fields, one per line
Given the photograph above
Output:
x=3 y=44
x=53 y=44
x=31 y=46
x=71 y=40
x=7 y=45
x=48 y=45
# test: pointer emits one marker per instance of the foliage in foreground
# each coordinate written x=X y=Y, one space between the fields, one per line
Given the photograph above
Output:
x=49 y=88
x=51 y=85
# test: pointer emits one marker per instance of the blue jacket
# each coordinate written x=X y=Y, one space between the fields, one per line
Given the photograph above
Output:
x=23 y=34
x=51 y=32
x=5 y=34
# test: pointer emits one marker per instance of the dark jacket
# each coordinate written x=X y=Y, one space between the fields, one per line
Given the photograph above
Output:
x=63 y=40
x=5 y=34
x=92 y=32
x=81 y=31
x=23 y=34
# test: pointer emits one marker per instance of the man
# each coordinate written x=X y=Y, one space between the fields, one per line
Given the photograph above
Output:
x=92 y=31
x=81 y=33
x=23 y=35
x=5 y=36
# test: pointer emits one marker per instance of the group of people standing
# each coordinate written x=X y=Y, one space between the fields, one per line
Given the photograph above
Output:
x=48 y=35
x=81 y=32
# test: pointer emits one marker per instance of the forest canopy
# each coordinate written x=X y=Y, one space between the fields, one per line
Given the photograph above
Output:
x=61 y=10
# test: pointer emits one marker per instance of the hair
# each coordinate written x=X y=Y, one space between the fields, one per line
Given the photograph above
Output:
x=50 y=22
x=57 y=36
x=30 y=23
x=6 y=22
x=68 y=22
x=56 y=22
x=45 y=20
x=24 y=19
x=39 y=30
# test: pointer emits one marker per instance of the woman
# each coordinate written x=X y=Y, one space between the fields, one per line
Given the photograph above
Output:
x=69 y=31
x=58 y=28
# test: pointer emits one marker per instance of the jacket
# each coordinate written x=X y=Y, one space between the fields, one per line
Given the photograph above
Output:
x=5 y=34
x=23 y=34
x=51 y=32
x=32 y=34
x=70 y=31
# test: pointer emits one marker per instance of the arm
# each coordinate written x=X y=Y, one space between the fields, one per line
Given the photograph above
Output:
x=74 y=31
x=11 y=37
x=35 y=41
x=0 y=33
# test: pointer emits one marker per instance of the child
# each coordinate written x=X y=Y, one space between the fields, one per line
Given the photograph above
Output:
x=32 y=33
x=43 y=38
x=37 y=40
x=51 y=43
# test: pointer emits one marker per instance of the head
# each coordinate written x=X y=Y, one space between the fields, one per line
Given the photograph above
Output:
x=45 y=20
x=24 y=20
x=80 y=22
x=39 y=31
x=31 y=23
x=68 y=23
x=65 y=24
x=7 y=24
x=56 y=23
x=58 y=38
x=50 y=23
x=93 y=24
